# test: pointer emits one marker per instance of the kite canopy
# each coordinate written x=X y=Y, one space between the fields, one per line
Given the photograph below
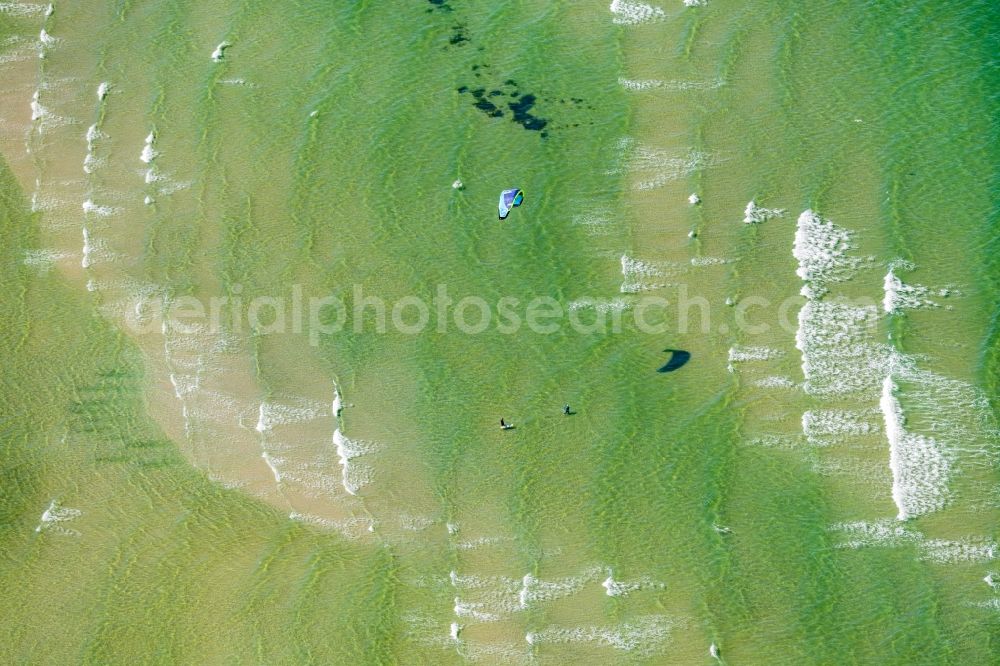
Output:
x=509 y=199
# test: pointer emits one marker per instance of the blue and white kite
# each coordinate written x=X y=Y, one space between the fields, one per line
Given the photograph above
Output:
x=509 y=199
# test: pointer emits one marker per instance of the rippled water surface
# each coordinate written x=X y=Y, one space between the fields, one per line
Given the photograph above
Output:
x=219 y=448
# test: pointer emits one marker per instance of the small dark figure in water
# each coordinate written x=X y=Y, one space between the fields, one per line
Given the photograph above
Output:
x=566 y=410
x=504 y=425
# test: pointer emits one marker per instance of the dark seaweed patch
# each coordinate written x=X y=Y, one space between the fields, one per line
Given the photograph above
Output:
x=459 y=36
x=481 y=103
x=439 y=4
x=523 y=116
x=489 y=108
x=521 y=107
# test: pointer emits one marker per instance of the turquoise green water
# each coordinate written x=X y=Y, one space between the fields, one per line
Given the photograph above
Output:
x=294 y=494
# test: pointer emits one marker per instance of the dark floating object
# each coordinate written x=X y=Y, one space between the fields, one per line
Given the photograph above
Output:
x=459 y=36
x=485 y=105
x=520 y=106
x=522 y=114
x=678 y=360
x=489 y=108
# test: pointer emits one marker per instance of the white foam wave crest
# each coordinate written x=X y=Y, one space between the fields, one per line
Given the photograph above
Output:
x=148 y=152
x=754 y=214
x=618 y=588
x=93 y=134
x=352 y=528
x=54 y=514
x=534 y=590
x=271 y=414
x=22 y=9
x=658 y=84
x=472 y=582
x=838 y=354
x=709 y=261
x=644 y=635
x=890 y=533
x=821 y=249
x=184 y=384
x=947 y=551
x=840 y=358
x=899 y=296
x=633 y=13
x=91 y=208
x=43 y=260
x=412 y=523
x=102 y=90
x=475 y=611
x=639 y=275
x=600 y=305
x=88 y=248
x=775 y=441
x=219 y=53
x=354 y=475
x=746 y=354
x=776 y=382
x=657 y=168
x=596 y=221
x=92 y=163
x=16 y=49
x=825 y=426
x=479 y=542
x=38 y=112
x=272 y=463
x=919 y=468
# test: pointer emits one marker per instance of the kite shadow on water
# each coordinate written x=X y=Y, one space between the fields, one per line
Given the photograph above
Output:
x=678 y=359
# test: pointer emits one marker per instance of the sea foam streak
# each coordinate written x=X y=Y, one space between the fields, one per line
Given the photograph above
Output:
x=821 y=249
x=891 y=533
x=148 y=152
x=919 y=469
x=219 y=53
x=56 y=513
x=754 y=214
x=353 y=475
x=840 y=358
x=899 y=296
x=644 y=635
x=632 y=13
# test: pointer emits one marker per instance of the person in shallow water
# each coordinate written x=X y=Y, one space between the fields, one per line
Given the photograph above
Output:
x=566 y=410
x=504 y=425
